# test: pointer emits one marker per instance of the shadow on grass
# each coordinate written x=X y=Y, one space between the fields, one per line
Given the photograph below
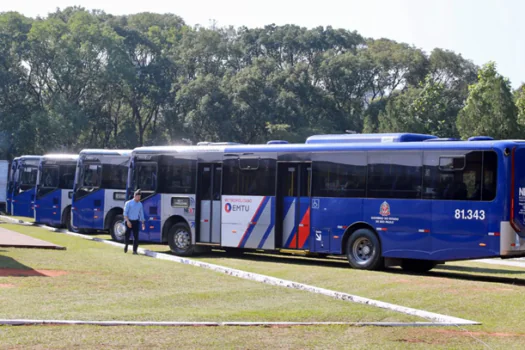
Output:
x=10 y=267
x=452 y=272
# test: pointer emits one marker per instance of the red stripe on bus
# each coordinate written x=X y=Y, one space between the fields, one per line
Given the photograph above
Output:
x=304 y=231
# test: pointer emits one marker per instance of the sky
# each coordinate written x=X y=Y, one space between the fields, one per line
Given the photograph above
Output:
x=482 y=30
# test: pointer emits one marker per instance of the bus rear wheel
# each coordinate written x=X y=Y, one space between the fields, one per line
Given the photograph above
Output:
x=363 y=250
x=118 y=229
x=413 y=265
x=179 y=240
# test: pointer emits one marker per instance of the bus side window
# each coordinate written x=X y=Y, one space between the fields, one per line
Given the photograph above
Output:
x=453 y=176
x=339 y=175
x=490 y=171
x=247 y=182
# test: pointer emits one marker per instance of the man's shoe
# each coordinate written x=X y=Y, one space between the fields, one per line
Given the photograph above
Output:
x=135 y=253
x=125 y=249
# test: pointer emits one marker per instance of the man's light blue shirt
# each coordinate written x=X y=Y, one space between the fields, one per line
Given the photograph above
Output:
x=134 y=210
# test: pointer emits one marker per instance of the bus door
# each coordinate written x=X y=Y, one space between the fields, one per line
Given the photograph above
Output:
x=209 y=203
x=293 y=205
x=24 y=194
x=48 y=196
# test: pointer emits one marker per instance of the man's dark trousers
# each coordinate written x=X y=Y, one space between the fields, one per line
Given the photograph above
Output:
x=135 y=228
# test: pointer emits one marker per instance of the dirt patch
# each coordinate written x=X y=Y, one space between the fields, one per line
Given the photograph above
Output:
x=6 y=285
x=468 y=333
x=31 y=273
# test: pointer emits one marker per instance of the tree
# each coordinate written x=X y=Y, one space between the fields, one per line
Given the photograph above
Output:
x=490 y=108
x=520 y=105
x=422 y=110
x=17 y=104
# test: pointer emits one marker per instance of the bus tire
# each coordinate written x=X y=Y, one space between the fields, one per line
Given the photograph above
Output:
x=118 y=229
x=414 y=265
x=363 y=250
x=179 y=240
x=68 y=222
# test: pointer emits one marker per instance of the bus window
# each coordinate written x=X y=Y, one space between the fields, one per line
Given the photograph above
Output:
x=177 y=175
x=67 y=176
x=48 y=181
x=459 y=176
x=394 y=175
x=114 y=176
x=145 y=177
x=344 y=175
x=49 y=177
x=91 y=175
x=28 y=177
x=490 y=171
x=252 y=181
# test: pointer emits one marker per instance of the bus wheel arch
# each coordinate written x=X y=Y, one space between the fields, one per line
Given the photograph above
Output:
x=67 y=219
x=110 y=217
x=362 y=246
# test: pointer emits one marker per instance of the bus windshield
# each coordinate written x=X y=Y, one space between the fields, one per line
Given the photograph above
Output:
x=49 y=176
x=28 y=175
x=145 y=176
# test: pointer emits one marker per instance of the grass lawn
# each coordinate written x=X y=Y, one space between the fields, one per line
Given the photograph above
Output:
x=100 y=282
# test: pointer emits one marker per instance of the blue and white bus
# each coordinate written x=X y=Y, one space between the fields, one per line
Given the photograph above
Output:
x=54 y=189
x=167 y=178
x=381 y=200
x=23 y=199
x=100 y=190
x=11 y=186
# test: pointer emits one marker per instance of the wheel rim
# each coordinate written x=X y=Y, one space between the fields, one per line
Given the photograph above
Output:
x=119 y=229
x=182 y=239
x=363 y=251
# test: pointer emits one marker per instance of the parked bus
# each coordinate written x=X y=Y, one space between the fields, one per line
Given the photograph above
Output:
x=100 y=191
x=10 y=186
x=382 y=200
x=23 y=197
x=4 y=175
x=54 y=189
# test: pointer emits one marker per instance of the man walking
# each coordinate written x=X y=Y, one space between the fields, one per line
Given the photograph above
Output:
x=133 y=213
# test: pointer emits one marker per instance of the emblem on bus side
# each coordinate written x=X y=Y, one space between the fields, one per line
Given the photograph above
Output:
x=384 y=209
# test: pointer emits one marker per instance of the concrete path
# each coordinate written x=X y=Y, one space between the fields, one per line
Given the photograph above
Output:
x=12 y=239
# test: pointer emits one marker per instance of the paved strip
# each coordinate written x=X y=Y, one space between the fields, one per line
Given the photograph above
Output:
x=23 y=322
x=12 y=239
x=502 y=262
x=444 y=320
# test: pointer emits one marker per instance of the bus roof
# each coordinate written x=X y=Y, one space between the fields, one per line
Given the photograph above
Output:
x=416 y=146
x=106 y=152
x=60 y=156
x=179 y=149
x=368 y=138
x=450 y=144
x=29 y=157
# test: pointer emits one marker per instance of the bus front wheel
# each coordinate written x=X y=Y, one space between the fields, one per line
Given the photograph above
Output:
x=118 y=229
x=363 y=250
x=68 y=222
x=179 y=239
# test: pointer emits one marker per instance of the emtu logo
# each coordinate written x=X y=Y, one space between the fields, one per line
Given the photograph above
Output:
x=228 y=207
